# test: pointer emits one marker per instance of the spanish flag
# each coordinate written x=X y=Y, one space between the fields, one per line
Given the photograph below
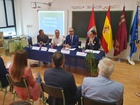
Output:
x=106 y=40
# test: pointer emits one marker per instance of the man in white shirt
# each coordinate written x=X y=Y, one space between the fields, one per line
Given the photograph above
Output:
x=57 y=40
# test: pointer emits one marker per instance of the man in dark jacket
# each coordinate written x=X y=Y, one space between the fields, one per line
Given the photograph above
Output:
x=92 y=42
x=3 y=72
x=42 y=38
x=58 y=77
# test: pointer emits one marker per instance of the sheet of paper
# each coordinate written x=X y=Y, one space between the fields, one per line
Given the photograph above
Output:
x=52 y=50
x=81 y=54
x=43 y=48
x=65 y=51
x=88 y=50
x=35 y=48
x=96 y=51
x=72 y=49
x=67 y=48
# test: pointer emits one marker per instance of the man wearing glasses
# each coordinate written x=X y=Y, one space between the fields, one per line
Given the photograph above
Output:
x=71 y=39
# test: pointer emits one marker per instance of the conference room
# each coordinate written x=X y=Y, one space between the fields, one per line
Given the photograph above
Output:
x=76 y=52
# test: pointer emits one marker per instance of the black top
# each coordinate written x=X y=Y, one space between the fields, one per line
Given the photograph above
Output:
x=44 y=39
x=60 y=78
x=94 y=46
x=3 y=72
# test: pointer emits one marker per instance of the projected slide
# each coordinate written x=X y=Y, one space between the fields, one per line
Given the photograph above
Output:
x=51 y=20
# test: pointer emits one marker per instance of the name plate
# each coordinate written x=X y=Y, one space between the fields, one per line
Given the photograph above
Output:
x=52 y=50
x=72 y=49
x=93 y=51
x=43 y=48
x=35 y=48
x=81 y=54
x=88 y=50
x=65 y=51
x=96 y=51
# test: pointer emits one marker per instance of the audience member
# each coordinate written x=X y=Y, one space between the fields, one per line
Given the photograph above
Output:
x=72 y=40
x=18 y=70
x=92 y=42
x=3 y=72
x=58 y=77
x=102 y=88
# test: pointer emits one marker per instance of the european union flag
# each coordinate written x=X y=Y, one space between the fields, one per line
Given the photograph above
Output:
x=134 y=34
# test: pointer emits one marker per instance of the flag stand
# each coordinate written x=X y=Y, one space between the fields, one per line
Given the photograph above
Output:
x=119 y=60
x=130 y=60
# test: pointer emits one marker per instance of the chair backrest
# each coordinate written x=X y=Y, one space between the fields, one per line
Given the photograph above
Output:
x=56 y=92
x=30 y=40
x=79 y=43
x=23 y=82
x=88 y=101
x=50 y=40
x=20 y=103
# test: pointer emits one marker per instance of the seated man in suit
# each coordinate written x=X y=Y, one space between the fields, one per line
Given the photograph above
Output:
x=42 y=39
x=92 y=42
x=57 y=40
x=3 y=72
x=71 y=39
x=58 y=77
x=101 y=88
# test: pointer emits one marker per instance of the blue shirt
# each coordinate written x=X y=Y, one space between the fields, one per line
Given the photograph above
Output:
x=103 y=89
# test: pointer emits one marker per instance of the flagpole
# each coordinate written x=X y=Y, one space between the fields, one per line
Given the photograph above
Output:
x=92 y=6
x=119 y=59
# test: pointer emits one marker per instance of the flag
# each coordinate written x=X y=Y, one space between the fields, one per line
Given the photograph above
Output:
x=92 y=24
x=134 y=34
x=121 y=36
x=106 y=40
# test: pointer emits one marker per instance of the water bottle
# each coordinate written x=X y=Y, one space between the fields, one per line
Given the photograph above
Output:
x=83 y=49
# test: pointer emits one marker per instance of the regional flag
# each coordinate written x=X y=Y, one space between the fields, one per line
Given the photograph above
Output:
x=134 y=34
x=92 y=24
x=121 y=36
x=106 y=40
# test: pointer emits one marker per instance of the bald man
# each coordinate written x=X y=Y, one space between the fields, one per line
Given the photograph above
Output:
x=102 y=88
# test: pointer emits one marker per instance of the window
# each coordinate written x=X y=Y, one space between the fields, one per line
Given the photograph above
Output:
x=7 y=19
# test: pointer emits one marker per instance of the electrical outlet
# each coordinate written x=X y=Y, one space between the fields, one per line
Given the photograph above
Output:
x=29 y=25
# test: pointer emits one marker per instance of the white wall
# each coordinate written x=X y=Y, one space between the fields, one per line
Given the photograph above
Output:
x=25 y=15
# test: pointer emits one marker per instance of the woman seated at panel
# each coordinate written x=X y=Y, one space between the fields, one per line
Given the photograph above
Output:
x=3 y=72
x=18 y=70
x=92 y=42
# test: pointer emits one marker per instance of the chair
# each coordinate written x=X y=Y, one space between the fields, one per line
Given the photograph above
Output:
x=22 y=84
x=88 y=101
x=52 y=91
x=20 y=103
x=50 y=40
x=79 y=44
x=3 y=90
x=30 y=43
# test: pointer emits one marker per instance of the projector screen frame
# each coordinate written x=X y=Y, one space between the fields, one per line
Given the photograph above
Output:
x=65 y=22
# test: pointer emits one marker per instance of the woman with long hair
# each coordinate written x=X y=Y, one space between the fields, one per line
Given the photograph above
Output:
x=19 y=69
